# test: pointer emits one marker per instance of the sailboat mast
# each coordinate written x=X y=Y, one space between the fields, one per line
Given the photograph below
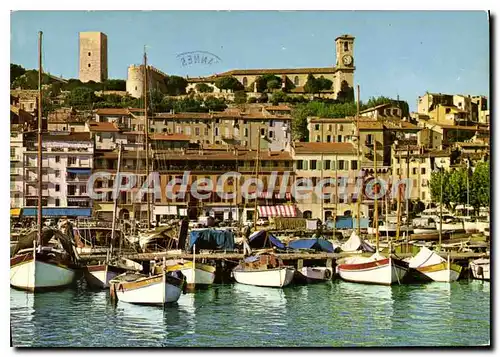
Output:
x=146 y=129
x=376 y=196
x=39 y=158
x=358 y=200
x=256 y=180
x=115 y=198
x=398 y=226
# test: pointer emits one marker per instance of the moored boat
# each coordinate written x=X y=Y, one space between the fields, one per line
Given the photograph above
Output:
x=376 y=269
x=197 y=274
x=434 y=267
x=99 y=275
x=480 y=269
x=263 y=270
x=313 y=275
x=45 y=266
x=141 y=289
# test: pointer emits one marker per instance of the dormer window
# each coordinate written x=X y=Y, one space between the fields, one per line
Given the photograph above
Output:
x=346 y=46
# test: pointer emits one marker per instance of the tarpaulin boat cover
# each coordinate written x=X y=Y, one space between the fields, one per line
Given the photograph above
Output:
x=319 y=244
x=211 y=239
x=258 y=240
x=355 y=243
x=424 y=258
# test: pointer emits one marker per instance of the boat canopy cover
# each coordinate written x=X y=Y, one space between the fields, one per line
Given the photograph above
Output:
x=251 y=259
x=316 y=244
x=355 y=243
x=258 y=240
x=211 y=239
x=424 y=258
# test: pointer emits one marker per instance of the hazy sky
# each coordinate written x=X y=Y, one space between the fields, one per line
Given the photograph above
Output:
x=396 y=52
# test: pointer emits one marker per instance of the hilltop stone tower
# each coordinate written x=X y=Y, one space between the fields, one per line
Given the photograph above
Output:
x=93 y=63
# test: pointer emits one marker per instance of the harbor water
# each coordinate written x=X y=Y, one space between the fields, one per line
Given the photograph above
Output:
x=334 y=314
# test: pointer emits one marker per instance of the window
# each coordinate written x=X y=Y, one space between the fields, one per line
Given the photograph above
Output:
x=316 y=127
x=341 y=127
x=354 y=165
x=397 y=160
x=328 y=138
x=296 y=80
x=313 y=164
x=196 y=131
x=89 y=65
x=216 y=131
x=12 y=152
x=341 y=164
x=318 y=138
x=262 y=131
x=245 y=81
x=83 y=189
x=245 y=132
x=398 y=172
x=448 y=110
x=299 y=165
x=271 y=122
x=57 y=188
x=58 y=173
x=346 y=46
x=369 y=139
x=57 y=202
x=329 y=127
x=422 y=171
x=271 y=134
x=395 y=112
x=327 y=164
x=339 y=138
x=414 y=171
x=71 y=160
x=206 y=131
x=58 y=158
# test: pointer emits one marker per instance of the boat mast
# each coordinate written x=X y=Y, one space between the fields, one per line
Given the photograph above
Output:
x=146 y=129
x=408 y=198
x=398 y=226
x=256 y=180
x=336 y=198
x=321 y=180
x=115 y=199
x=358 y=200
x=39 y=158
x=376 y=197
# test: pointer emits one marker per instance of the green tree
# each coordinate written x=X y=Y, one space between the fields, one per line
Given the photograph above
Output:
x=240 y=97
x=263 y=98
x=81 y=97
x=272 y=85
x=268 y=82
x=252 y=100
x=215 y=104
x=176 y=85
x=436 y=185
x=278 y=97
x=114 y=84
x=324 y=83
x=312 y=85
x=204 y=88
x=15 y=72
x=457 y=187
x=346 y=93
x=229 y=83
x=480 y=185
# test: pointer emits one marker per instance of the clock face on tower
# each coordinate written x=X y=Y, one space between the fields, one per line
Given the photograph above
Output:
x=347 y=60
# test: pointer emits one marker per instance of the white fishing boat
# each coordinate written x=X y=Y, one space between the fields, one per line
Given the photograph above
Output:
x=197 y=274
x=480 y=269
x=99 y=275
x=376 y=269
x=47 y=265
x=141 y=289
x=263 y=270
x=313 y=274
x=435 y=267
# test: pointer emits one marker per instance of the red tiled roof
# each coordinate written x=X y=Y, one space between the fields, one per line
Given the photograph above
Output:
x=103 y=127
x=370 y=125
x=279 y=107
x=325 y=148
x=375 y=108
x=64 y=136
x=331 y=120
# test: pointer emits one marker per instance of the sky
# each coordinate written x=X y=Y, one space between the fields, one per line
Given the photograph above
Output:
x=403 y=53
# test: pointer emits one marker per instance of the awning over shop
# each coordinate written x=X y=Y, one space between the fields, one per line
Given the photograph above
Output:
x=15 y=212
x=278 y=211
x=59 y=212
x=79 y=170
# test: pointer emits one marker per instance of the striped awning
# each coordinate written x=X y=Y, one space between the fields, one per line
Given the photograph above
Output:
x=277 y=211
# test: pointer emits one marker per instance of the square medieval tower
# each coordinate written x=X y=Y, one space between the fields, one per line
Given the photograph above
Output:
x=93 y=57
